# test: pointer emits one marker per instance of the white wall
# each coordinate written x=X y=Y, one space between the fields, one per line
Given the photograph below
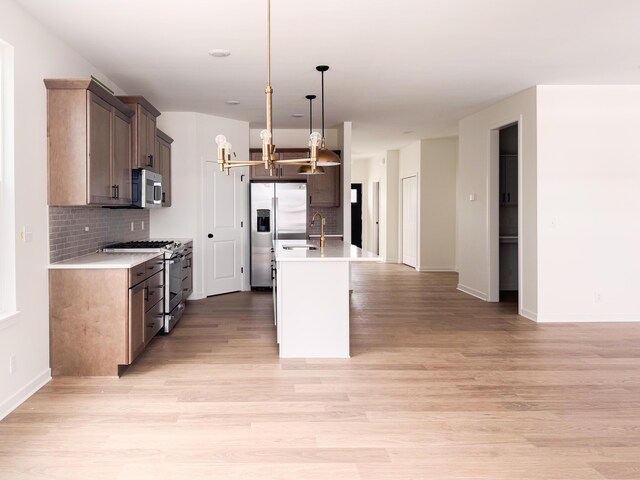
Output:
x=392 y=164
x=477 y=220
x=408 y=166
x=38 y=55
x=437 y=223
x=194 y=143
x=588 y=203
x=344 y=140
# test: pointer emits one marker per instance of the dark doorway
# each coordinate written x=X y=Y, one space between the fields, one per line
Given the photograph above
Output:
x=356 y=214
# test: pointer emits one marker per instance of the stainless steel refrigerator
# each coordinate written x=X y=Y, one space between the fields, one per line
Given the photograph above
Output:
x=278 y=212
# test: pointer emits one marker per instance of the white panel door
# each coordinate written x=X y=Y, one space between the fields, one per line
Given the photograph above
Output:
x=223 y=251
x=410 y=221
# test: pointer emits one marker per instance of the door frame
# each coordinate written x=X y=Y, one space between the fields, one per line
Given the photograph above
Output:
x=493 y=210
x=362 y=211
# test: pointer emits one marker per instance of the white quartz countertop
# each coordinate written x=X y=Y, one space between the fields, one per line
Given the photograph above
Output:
x=104 y=260
x=334 y=250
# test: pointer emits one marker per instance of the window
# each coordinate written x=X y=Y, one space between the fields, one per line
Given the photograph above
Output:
x=7 y=187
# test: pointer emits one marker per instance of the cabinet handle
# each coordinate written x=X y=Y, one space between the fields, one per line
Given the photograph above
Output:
x=113 y=191
x=150 y=164
x=164 y=198
x=146 y=293
x=310 y=199
x=117 y=191
x=509 y=197
x=139 y=274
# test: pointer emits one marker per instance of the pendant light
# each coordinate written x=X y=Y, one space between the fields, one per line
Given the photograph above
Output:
x=326 y=158
x=310 y=169
x=269 y=159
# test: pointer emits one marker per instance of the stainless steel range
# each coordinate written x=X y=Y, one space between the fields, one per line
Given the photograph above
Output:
x=174 y=262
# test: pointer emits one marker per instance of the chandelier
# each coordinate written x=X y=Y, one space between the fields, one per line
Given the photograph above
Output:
x=319 y=155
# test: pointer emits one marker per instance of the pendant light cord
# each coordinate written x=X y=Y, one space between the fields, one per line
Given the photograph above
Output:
x=322 y=104
x=310 y=116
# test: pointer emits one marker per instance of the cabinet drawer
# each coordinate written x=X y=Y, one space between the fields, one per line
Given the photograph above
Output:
x=143 y=271
x=186 y=265
x=155 y=289
x=187 y=286
x=153 y=321
x=137 y=274
x=154 y=265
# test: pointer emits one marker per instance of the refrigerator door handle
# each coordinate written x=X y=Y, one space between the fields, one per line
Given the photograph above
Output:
x=274 y=230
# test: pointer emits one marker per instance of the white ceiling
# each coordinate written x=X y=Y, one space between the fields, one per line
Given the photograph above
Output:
x=396 y=66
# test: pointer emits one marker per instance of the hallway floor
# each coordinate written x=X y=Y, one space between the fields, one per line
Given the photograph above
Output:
x=440 y=386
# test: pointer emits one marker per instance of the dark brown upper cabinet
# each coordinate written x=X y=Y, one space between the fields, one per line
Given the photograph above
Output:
x=144 y=132
x=163 y=154
x=89 y=145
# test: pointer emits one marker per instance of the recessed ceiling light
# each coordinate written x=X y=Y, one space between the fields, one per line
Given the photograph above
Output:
x=219 y=52
x=233 y=102
x=407 y=132
x=298 y=115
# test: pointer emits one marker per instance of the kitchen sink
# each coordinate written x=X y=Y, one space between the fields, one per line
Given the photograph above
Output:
x=299 y=247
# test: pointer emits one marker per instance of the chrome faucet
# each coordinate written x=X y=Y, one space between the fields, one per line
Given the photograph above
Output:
x=313 y=219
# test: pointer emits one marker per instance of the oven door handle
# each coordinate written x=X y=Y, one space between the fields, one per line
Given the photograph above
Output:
x=177 y=259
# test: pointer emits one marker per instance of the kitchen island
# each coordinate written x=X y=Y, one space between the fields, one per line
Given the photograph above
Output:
x=311 y=297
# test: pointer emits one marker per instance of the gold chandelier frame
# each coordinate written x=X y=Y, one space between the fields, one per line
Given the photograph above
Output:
x=319 y=155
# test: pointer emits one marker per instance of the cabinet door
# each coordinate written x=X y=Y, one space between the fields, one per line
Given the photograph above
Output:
x=137 y=309
x=324 y=190
x=146 y=142
x=100 y=189
x=151 y=142
x=163 y=154
x=122 y=157
x=290 y=172
x=258 y=172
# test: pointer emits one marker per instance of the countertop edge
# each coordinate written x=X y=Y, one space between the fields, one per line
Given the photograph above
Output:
x=77 y=263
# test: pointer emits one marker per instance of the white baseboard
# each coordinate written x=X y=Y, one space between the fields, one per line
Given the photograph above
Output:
x=24 y=393
x=435 y=269
x=197 y=296
x=529 y=315
x=473 y=292
x=587 y=318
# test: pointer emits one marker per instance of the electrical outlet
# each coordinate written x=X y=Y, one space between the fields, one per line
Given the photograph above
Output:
x=12 y=364
x=86 y=229
x=597 y=297
x=132 y=226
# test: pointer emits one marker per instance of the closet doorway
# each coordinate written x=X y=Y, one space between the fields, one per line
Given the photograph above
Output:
x=508 y=215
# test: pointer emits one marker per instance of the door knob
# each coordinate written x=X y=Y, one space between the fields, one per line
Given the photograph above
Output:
x=210 y=235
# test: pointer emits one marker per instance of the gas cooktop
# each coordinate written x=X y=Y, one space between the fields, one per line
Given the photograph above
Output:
x=143 y=246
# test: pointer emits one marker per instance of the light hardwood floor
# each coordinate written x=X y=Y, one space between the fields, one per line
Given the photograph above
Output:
x=440 y=386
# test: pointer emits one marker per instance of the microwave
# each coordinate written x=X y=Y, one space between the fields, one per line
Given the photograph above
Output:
x=146 y=188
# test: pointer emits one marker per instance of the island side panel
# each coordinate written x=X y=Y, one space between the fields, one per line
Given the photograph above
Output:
x=88 y=321
x=314 y=309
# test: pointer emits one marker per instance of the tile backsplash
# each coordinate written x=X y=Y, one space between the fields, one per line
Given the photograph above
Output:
x=75 y=231
x=330 y=223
